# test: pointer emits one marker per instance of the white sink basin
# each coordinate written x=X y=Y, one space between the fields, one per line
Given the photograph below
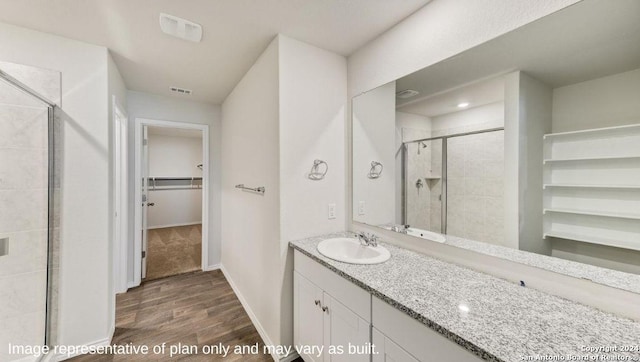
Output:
x=349 y=250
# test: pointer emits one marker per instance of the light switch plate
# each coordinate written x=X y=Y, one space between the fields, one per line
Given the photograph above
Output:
x=332 y=211
x=361 y=208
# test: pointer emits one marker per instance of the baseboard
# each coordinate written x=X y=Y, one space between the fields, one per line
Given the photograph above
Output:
x=174 y=225
x=212 y=267
x=98 y=343
x=254 y=319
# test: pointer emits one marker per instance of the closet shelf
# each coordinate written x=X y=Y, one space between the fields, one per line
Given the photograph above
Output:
x=607 y=130
x=588 y=159
x=625 y=244
x=594 y=213
x=621 y=187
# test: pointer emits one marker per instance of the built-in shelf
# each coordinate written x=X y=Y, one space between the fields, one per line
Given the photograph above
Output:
x=594 y=213
x=622 y=187
x=433 y=177
x=588 y=159
x=625 y=244
x=596 y=131
x=596 y=170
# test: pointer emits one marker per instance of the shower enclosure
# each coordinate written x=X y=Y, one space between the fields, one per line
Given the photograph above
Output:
x=453 y=184
x=27 y=225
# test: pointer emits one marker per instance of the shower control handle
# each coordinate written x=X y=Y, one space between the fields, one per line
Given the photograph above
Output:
x=151 y=204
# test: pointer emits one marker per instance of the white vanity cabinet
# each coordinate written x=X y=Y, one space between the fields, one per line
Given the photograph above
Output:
x=406 y=339
x=387 y=350
x=329 y=311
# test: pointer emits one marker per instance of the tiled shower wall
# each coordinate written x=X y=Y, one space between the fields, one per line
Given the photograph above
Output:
x=24 y=210
x=475 y=187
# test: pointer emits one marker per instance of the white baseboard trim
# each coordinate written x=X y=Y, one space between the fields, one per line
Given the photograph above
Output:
x=254 y=319
x=98 y=343
x=212 y=267
x=174 y=225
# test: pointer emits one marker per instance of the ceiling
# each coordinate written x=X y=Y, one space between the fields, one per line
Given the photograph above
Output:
x=476 y=94
x=588 y=40
x=235 y=32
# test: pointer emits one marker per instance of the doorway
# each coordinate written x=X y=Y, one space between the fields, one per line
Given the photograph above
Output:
x=172 y=202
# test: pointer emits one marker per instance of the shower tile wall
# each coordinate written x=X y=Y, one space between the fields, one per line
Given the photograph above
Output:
x=24 y=210
x=475 y=184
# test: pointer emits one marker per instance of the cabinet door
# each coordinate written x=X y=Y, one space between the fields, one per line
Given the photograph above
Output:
x=346 y=329
x=387 y=351
x=308 y=316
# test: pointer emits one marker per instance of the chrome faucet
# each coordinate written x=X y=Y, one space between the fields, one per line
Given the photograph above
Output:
x=367 y=239
x=400 y=228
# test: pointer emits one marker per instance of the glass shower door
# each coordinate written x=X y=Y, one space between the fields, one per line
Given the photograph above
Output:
x=24 y=205
x=423 y=185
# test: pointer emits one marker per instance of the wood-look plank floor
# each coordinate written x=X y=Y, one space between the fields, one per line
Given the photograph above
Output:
x=193 y=309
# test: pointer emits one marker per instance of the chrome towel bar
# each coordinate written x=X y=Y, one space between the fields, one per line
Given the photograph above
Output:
x=259 y=189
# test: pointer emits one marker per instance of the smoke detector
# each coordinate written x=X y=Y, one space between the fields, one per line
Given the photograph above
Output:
x=180 y=28
x=181 y=90
x=407 y=93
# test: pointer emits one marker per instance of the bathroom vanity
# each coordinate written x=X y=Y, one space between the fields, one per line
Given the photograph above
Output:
x=416 y=308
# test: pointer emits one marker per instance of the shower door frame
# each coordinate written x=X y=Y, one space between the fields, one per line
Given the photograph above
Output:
x=405 y=170
x=5 y=77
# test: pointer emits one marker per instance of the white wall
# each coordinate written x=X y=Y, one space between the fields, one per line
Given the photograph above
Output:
x=174 y=156
x=603 y=102
x=85 y=293
x=144 y=105
x=439 y=30
x=287 y=111
x=374 y=127
x=251 y=255
x=313 y=93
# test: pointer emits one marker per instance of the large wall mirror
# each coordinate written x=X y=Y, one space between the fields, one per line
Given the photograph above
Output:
x=529 y=143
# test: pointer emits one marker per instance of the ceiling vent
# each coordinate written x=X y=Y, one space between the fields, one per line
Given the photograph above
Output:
x=180 y=28
x=181 y=90
x=408 y=93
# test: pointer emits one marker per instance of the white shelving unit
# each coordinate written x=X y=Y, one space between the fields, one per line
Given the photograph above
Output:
x=592 y=186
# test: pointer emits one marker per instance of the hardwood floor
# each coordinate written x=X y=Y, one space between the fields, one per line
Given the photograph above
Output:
x=192 y=309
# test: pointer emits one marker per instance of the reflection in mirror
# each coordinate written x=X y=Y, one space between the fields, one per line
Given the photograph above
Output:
x=529 y=142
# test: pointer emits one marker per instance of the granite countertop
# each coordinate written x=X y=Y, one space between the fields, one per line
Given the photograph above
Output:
x=491 y=317
x=613 y=278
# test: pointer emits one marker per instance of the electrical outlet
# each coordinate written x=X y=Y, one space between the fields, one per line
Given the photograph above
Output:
x=361 y=208
x=332 y=211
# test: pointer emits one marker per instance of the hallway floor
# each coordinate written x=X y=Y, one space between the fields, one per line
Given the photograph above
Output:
x=192 y=309
x=174 y=250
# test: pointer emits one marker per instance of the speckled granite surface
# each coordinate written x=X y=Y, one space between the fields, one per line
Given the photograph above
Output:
x=491 y=317
x=609 y=277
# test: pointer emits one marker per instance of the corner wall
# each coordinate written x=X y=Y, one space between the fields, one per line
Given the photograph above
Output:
x=287 y=111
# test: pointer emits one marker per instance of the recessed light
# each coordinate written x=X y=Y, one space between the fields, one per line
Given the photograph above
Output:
x=463 y=105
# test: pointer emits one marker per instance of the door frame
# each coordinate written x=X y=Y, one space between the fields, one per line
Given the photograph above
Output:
x=137 y=246
x=120 y=196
